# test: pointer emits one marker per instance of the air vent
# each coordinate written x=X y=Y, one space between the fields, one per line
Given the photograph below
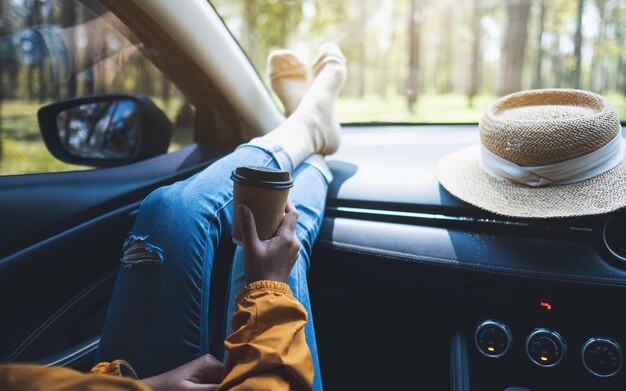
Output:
x=614 y=235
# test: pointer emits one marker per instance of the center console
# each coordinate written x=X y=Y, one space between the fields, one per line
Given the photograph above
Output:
x=545 y=348
x=537 y=338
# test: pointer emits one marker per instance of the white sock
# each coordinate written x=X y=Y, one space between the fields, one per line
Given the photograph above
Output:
x=313 y=127
x=288 y=78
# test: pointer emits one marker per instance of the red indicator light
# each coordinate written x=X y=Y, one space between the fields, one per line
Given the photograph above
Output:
x=546 y=305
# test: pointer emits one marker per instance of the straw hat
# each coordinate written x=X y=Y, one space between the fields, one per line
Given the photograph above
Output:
x=543 y=153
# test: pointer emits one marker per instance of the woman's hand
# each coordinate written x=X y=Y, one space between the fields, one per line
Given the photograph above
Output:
x=202 y=374
x=270 y=259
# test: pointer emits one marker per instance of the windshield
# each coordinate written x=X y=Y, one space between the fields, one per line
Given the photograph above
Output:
x=446 y=60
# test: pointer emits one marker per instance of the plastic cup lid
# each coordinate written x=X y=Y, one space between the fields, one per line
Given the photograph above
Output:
x=262 y=177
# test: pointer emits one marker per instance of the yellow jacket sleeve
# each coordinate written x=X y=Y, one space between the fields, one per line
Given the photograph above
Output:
x=19 y=377
x=268 y=350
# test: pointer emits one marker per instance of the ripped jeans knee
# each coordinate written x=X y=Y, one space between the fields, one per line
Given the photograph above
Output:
x=137 y=251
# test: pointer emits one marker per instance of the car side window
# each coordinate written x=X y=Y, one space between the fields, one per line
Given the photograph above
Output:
x=52 y=50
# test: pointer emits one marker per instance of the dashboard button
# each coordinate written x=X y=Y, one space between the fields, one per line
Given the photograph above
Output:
x=545 y=348
x=493 y=339
x=602 y=356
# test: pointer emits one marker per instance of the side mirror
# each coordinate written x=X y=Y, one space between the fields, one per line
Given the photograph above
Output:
x=105 y=130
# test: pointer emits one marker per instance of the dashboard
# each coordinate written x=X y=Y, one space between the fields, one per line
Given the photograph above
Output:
x=531 y=303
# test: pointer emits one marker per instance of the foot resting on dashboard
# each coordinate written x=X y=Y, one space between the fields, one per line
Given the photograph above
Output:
x=313 y=127
x=288 y=78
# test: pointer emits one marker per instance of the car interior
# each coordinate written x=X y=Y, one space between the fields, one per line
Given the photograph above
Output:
x=410 y=286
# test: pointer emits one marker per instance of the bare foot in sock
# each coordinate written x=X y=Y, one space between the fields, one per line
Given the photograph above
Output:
x=288 y=78
x=313 y=127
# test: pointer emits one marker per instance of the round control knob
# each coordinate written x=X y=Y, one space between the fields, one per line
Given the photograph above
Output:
x=493 y=339
x=602 y=356
x=545 y=348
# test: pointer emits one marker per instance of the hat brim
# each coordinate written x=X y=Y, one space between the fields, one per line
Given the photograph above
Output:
x=460 y=173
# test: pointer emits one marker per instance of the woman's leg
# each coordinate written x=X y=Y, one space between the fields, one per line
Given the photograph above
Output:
x=309 y=196
x=313 y=121
x=157 y=319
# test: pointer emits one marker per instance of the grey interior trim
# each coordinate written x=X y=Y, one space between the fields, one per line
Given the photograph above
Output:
x=364 y=213
x=71 y=355
x=459 y=363
x=59 y=314
x=413 y=215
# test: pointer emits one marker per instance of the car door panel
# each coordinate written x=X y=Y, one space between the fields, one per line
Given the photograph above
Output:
x=63 y=235
x=40 y=205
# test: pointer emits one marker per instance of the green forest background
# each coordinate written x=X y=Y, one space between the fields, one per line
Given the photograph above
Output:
x=435 y=61
x=444 y=60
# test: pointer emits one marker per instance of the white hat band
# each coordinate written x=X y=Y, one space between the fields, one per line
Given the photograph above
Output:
x=561 y=173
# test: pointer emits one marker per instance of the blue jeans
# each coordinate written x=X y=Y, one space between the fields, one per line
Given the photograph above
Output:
x=158 y=315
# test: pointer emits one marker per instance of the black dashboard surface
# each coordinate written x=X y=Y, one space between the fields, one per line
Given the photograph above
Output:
x=386 y=201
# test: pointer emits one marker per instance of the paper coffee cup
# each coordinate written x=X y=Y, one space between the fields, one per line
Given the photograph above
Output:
x=265 y=191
